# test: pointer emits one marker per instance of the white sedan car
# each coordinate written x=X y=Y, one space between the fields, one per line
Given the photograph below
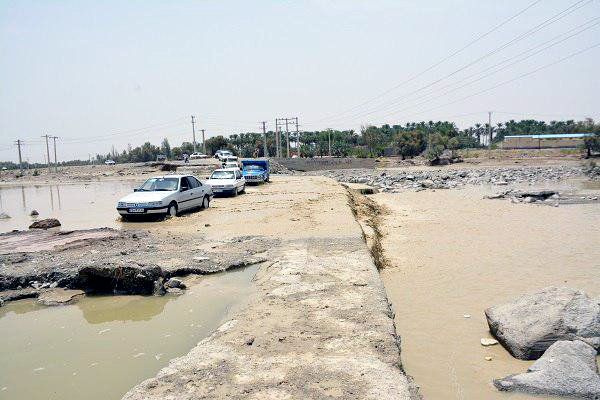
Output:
x=227 y=181
x=168 y=195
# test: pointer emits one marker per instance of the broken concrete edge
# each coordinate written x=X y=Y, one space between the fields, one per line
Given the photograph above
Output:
x=315 y=320
x=129 y=280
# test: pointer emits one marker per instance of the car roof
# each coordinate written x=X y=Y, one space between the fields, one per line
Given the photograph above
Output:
x=226 y=169
x=169 y=176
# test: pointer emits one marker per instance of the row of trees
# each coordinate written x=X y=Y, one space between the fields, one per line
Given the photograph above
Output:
x=409 y=140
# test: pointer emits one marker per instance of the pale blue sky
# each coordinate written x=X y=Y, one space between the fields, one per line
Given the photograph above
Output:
x=82 y=70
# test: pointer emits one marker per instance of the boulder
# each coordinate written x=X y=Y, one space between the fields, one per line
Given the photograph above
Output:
x=566 y=369
x=45 y=223
x=159 y=287
x=58 y=297
x=175 y=283
x=4 y=215
x=532 y=322
x=34 y=213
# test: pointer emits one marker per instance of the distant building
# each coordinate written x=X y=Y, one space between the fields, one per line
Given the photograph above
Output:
x=544 y=141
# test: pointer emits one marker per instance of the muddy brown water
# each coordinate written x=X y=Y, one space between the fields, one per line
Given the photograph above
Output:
x=77 y=206
x=455 y=254
x=101 y=346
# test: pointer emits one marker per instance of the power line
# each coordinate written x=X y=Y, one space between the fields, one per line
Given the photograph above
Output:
x=574 y=7
x=491 y=73
x=496 y=65
x=511 y=80
x=438 y=62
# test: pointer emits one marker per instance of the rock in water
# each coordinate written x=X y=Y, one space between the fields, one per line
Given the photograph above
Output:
x=159 y=288
x=34 y=213
x=45 y=223
x=175 y=283
x=531 y=323
x=565 y=369
x=488 y=342
x=4 y=216
x=57 y=297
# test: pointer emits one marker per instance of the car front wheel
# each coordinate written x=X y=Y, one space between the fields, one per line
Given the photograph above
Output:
x=205 y=202
x=172 y=210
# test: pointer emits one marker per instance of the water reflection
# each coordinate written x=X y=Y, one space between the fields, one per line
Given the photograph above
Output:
x=99 y=309
x=77 y=206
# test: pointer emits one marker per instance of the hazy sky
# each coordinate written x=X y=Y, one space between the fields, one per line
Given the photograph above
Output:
x=96 y=73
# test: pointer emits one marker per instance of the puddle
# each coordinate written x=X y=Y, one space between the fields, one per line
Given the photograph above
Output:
x=455 y=254
x=101 y=346
x=77 y=206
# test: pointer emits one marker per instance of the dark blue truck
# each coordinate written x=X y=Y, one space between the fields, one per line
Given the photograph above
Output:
x=255 y=171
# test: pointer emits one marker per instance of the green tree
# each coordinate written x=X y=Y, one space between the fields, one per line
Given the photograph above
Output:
x=410 y=143
x=165 y=147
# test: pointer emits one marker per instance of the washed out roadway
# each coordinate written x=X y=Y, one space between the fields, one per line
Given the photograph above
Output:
x=320 y=326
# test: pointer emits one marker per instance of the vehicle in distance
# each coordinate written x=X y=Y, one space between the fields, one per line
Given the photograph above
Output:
x=255 y=171
x=109 y=162
x=197 y=156
x=227 y=181
x=222 y=154
x=229 y=165
x=169 y=195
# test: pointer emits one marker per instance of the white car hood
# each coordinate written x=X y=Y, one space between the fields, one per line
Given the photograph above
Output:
x=143 y=197
x=221 y=182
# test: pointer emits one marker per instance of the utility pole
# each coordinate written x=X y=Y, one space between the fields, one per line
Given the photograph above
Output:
x=47 y=152
x=194 y=133
x=287 y=137
x=18 y=142
x=277 y=153
x=297 y=139
x=203 y=142
x=490 y=130
x=55 y=161
x=265 y=151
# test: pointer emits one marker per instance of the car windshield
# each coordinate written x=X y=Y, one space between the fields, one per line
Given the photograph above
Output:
x=222 y=175
x=159 y=184
x=253 y=168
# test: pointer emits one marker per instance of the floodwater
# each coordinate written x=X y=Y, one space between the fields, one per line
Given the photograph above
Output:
x=76 y=206
x=101 y=346
x=454 y=254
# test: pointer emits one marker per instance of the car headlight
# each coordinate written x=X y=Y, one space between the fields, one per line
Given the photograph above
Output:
x=121 y=204
x=154 y=203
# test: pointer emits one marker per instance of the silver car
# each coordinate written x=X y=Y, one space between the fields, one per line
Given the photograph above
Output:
x=227 y=181
x=169 y=194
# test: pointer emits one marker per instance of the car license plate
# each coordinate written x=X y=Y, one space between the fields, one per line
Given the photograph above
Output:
x=136 y=210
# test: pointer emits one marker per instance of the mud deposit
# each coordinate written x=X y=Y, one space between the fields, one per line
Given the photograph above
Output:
x=452 y=254
x=101 y=346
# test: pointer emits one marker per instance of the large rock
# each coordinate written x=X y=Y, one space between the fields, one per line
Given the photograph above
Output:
x=565 y=369
x=57 y=296
x=45 y=223
x=531 y=323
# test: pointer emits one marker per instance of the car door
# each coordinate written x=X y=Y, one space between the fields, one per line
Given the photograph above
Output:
x=199 y=189
x=239 y=180
x=186 y=194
